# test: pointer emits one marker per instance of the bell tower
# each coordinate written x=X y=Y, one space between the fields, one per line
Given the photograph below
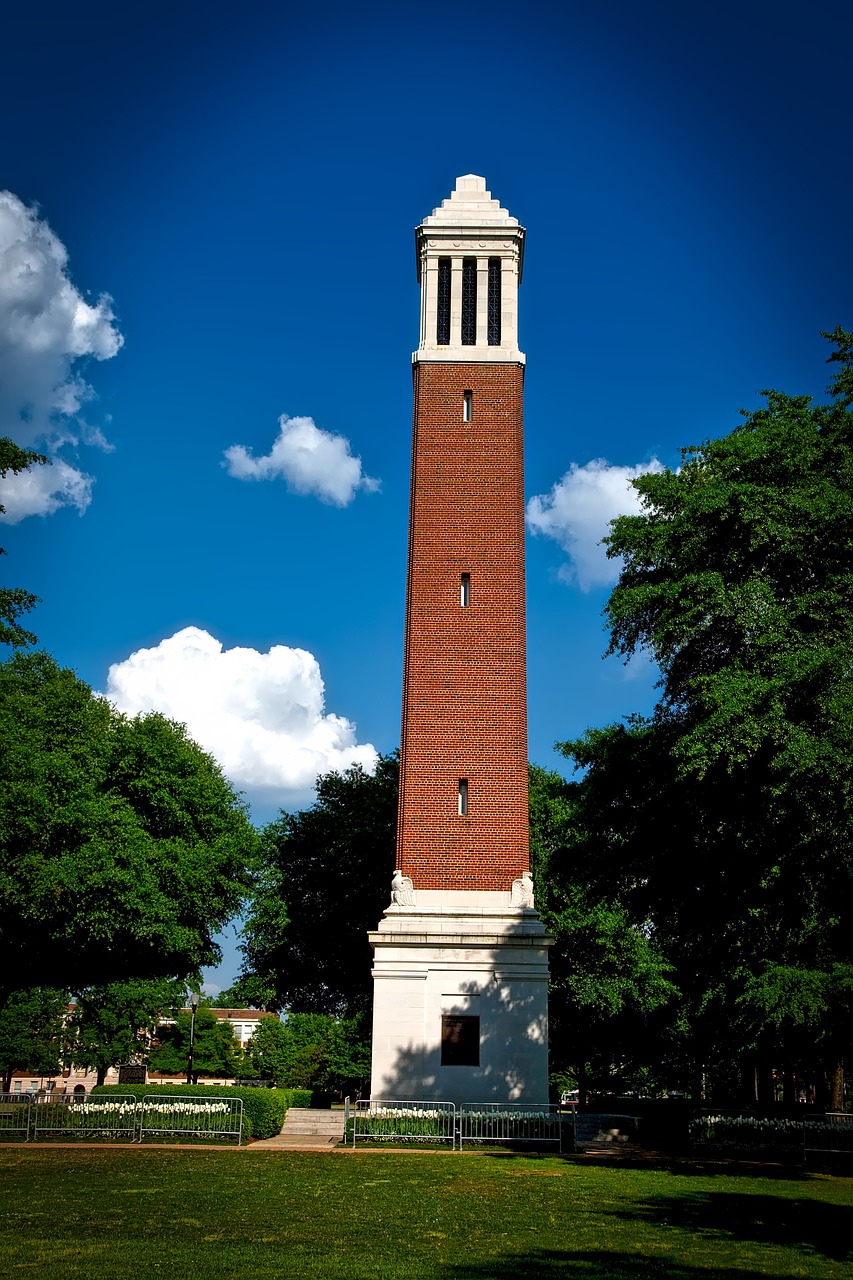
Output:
x=460 y=967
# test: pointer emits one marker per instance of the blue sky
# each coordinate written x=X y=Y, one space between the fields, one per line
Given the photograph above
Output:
x=243 y=184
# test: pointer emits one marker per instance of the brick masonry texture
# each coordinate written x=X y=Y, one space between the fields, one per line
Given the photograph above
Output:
x=464 y=686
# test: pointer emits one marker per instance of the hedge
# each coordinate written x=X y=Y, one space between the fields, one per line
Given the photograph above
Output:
x=263 y=1109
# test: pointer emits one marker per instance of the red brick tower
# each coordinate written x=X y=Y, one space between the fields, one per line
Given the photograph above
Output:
x=460 y=1009
x=463 y=784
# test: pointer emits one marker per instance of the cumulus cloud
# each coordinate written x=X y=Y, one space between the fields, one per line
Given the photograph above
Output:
x=43 y=490
x=261 y=715
x=308 y=459
x=47 y=328
x=577 y=512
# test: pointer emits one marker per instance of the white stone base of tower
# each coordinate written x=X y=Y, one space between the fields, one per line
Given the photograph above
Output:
x=449 y=957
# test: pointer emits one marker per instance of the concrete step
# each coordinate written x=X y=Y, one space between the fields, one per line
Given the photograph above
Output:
x=296 y=1142
x=308 y=1122
x=318 y=1129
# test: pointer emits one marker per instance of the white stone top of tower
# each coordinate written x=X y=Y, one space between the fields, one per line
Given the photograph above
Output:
x=470 y=255
x=470 y=204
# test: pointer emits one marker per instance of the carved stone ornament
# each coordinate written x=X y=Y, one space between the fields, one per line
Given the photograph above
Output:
x=402 y=892
x=522 y=891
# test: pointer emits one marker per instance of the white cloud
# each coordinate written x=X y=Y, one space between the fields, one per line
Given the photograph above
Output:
x=43 y=490
x=45 y=325
x=577 y=512
x=309 y=459
x=261 y=715
x=46 y=328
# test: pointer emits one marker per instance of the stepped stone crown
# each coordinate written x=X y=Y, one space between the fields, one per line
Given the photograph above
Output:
x=470 y=253
x=470 y=204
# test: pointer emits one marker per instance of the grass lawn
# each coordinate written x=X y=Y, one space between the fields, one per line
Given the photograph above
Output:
x=112 y=1214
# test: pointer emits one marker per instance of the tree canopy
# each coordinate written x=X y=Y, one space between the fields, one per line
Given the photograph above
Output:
x=215 y=1051
x=31 y=1033
x=123 y=849
x=115 y=1023
x=723 y=823
x=737 y=580
x=313 y=1051
x=611 y=994
x=325 y=880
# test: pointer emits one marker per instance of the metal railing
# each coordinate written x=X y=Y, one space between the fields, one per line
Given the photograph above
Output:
x=605 y=1131
x=83 y=1117
x=753 y=1131
x=828 y=1133
x=15 y=1111
x=381 y=1120
x=197 y=1117
x=507 y=1123
x=80 y=1117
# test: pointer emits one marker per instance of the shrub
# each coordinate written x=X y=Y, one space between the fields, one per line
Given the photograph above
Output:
x=263 y=1109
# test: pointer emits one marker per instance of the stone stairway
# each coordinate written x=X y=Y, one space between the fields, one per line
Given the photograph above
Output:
x=306 y=1127
x=314 y=1123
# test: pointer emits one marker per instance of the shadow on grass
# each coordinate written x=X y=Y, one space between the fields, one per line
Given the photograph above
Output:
x=810 y=1225
x=683 y=1166
x=559 y=1264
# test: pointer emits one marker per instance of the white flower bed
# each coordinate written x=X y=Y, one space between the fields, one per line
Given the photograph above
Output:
x=111 y=1117
x=423 y=1122
x=749 y=1132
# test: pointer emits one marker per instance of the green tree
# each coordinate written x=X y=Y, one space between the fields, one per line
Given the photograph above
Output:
x=123 y=850
x=611 y=996
x=724 y=822
x=267 y=1052
x=325 y=880
x=247 y=992
x=31 y=1033
x=293 y=1051
x=348 y=1056
x=215 y=1051
x=313 y=1051
x=14 y=601
x=800 y=1015
x=115 y=1023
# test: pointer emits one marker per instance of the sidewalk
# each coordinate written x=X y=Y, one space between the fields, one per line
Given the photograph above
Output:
x=296 y=1142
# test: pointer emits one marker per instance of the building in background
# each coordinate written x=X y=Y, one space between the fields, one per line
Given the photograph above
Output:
x=243 y=1023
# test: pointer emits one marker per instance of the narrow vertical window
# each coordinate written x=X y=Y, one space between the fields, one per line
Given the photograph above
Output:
x=467 y=406
x=465 y=590
x=463 y=797
x=469 y=302
x=494 y=302
x=442 y=335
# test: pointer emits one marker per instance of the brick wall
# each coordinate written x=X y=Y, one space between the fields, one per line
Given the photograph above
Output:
x=464 y=692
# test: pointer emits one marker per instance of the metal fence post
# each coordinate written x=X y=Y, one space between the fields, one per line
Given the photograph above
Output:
x=15 y=1113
